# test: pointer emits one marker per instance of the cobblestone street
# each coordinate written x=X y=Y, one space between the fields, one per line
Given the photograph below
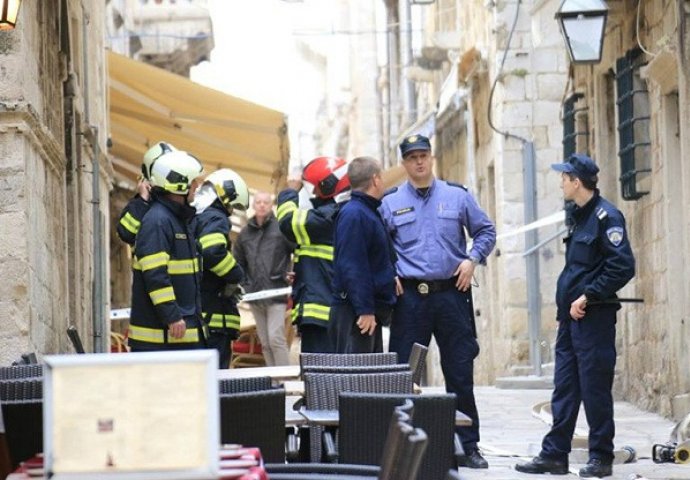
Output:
x=510 y=434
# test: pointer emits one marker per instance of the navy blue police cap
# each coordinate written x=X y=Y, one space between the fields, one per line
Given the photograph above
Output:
x=579 y=165
x=414 y=142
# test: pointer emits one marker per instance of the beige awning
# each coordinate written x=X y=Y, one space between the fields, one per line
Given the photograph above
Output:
x=148 y=104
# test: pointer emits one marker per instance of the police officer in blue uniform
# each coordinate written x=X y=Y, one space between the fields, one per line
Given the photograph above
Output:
x=599 y=262
x=427 y=219
x=364 y=265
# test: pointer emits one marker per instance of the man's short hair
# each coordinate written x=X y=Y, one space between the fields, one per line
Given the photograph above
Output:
x=361 y=171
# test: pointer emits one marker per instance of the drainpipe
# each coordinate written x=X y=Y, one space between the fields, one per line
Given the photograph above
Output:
x=529 y=185
x=393 y=95
x=97 y=313
x=408 y=91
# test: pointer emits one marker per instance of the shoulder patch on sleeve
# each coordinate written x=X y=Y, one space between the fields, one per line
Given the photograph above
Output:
x=460 y=185
x=615 y=235
x=601 y=213
x=390 y=190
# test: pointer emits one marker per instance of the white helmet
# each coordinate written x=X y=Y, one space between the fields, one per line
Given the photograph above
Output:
x=231 y=189
x=175 y=171
x=152 y=155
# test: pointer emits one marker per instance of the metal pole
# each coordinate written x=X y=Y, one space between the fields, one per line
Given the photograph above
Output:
x=408 y=91
x=529 y=175
x=97 y=315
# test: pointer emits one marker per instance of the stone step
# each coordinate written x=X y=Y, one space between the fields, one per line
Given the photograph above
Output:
x=530 y=382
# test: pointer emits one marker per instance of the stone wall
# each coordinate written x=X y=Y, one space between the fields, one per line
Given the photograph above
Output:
x=653 y=338
x=526 y=103
x=45 y=175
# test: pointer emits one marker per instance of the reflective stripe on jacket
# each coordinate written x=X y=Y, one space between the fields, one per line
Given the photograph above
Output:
x=212 y=229
x=312 y=230
x=130 y=219
x=166 y=277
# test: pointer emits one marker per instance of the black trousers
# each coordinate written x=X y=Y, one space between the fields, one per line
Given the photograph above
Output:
x=448 y=316
x=221 y=341
x=585 y=364
x=315 y=339
x=345 y=334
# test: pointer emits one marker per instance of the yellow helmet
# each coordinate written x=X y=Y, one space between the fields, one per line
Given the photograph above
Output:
x=175 y=171
x=231 y=189
x=152 y=155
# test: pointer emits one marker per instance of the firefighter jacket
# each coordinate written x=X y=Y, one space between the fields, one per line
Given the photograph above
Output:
x=598 y=257
x=312 y=231
x=130 y=219
x=166 y=278
x=220 y=270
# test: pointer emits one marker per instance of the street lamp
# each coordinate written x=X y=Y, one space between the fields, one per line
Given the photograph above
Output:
x=582 y=24
x=9 y=10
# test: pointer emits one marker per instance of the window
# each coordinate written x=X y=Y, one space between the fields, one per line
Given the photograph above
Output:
x=575 y=126
x=634 y=153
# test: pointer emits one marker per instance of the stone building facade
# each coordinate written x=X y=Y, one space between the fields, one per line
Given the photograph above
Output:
x=505 y=83
x=52 y=131
x=170 y=35
x=649 y=45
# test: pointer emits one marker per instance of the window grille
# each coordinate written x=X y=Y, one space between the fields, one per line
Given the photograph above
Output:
x=575 y=126
x=632 y=99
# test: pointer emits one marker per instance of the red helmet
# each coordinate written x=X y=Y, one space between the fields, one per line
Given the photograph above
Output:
x=328 y=176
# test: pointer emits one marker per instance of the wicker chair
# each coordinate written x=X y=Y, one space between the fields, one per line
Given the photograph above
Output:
x=255 y=419
x=23 y=428
x=243 y=385
x=365 y=369
x=404 y=447
x=346 y=359
x=417 y=362
x=21 y=389
x=21 y=371
x=364 y=421
x=321 y=392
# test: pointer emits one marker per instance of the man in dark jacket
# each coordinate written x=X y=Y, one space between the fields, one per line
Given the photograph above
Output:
x=364 y=271
x=598 y=263
x=264 y=254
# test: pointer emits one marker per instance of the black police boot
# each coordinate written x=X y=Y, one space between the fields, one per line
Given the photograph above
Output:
x=543 y=465
x=473 y=459
x=596 y=468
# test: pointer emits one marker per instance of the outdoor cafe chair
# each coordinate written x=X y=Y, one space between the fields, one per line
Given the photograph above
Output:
x=402 y=452
x=363 y=421
x=255 y=419
x=417 y=362
x=242 y=385
x=346 y=359
x=21 y=389
x=21 y=371
x=322 y=390
x=23 y=421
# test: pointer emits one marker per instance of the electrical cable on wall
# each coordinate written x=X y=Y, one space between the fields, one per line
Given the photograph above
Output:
x=498 y=75
x=637 y=31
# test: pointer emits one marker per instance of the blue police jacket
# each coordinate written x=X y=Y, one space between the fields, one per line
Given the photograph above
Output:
x=364 y=269
x=130 y=219
x=312 y=231
x=428 y=230
x=212 y=229
x=598 y=257
x=166 y=276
